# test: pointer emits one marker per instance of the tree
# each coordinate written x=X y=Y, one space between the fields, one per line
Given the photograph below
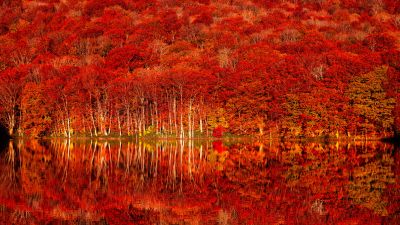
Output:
x=10 y=93
x=370 y=102
x=128 y=57
x=36 y=118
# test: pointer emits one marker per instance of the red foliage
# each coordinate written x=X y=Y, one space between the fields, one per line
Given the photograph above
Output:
x=392 y=6
x=379 y=42
x=254 y=61
x=392 y=58
x=218 y=132
x=129 y=57
x=95 y=8
x=204 y=17
x=218 y=146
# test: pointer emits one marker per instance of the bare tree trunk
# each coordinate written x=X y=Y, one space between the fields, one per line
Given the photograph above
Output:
x=138 y=125
x=189 y=119
x=169 y=117
x=68 y=117
x=207 y=133
x=182 y=133
x=109 y=122
x=157 y=121
x=93 y=124
x=175 y=117
x=68 y=128
x=193 y=124
x=151 y=115
x=201 y=125
x=143 y=119
x=100 y=118
x=119 y=125
x=128 y=120
x=11 y=122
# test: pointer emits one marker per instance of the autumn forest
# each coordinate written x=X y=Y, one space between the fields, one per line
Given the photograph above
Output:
x=198 y=68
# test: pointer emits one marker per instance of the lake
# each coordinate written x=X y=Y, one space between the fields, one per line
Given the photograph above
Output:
x=82 y=181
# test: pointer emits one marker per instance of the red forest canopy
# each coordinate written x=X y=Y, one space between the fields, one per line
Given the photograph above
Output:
x=187 y=68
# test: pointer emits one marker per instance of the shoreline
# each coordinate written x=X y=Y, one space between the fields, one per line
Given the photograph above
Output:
x=393 y=139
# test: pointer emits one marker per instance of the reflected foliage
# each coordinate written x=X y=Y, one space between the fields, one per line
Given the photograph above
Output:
x=175 y=182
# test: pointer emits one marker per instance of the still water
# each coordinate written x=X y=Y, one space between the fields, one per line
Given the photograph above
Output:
x=198 y=182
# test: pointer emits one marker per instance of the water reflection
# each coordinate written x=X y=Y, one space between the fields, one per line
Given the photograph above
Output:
x=197 y=182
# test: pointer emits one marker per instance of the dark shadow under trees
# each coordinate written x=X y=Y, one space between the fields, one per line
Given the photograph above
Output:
x=4 y=138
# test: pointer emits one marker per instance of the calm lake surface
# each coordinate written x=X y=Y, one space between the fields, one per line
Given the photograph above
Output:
x=198 y=182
